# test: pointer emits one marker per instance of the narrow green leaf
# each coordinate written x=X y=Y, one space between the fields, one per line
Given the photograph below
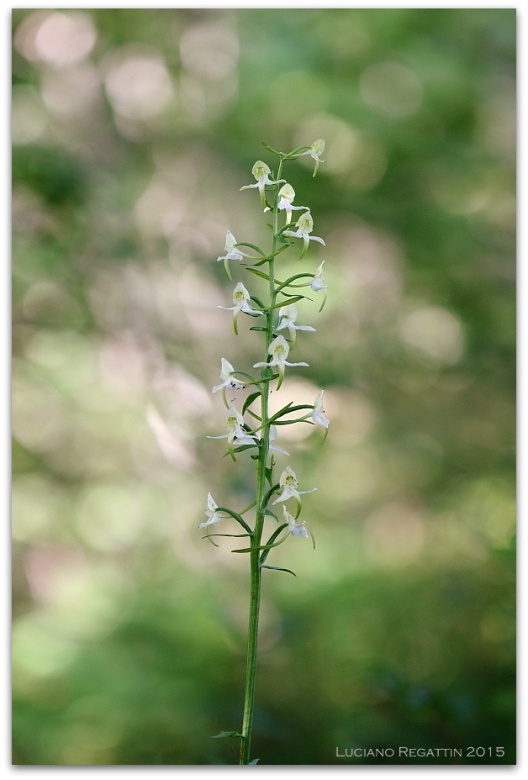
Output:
x=296 y=296
x=233 y=535
x=236 y=517
x=292 y=300
x=258 y=327
x=284 y=410
x=245 y=447
x=277 y=568
x=271 y=491
x=257 y=301
x=292 y=422
x=224 y=734
x=252 y=246
x=261 y=547
x=257 y=273
x=292 y=279
x=279 y=154
x=290 y=408
x=271 y=514
x=249 y=400
x=270 y=543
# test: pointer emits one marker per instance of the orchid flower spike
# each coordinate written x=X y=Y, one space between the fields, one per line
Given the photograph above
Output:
x=226 y=375
x=287 y=317
x=279 y=349
x=288 y=484
x=210 y=512
x=286 y=196
x=304 y=227
x=236 y=435
x=240 y=299
x=315 y=151
x=232 y=252
x=260 y=171
x=294 y=528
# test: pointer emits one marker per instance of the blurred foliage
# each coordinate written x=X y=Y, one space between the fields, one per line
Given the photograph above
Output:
x=133 y=131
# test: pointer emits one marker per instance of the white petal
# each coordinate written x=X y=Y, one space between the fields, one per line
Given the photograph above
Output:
x=278 y=449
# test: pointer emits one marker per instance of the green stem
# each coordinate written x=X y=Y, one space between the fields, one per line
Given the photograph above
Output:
x=261 y=501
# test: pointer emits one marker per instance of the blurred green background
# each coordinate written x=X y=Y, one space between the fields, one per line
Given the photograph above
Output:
x=133 y=131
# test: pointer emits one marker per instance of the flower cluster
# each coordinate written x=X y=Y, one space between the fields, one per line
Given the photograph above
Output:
x=276 y=320
x=281 y=332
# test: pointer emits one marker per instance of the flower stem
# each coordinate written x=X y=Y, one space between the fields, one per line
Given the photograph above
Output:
x=261 y=502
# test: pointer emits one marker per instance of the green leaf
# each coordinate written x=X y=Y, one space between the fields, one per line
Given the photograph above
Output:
x=235 y=535
x=236 y=517
x=292 y=422
x=271 y=514
x=292 y=279
x=279 y=154
x=270 y=543
x=224 y=734
x=277 y=568
x=251 y=246
x=290 y=408
x=291 y=300
x=249 y=400
x=257 y=301
x=257 y=273
x=282 y=411
x=245 y=447
x=258 y=327
x=296 y=296
x=271 y=491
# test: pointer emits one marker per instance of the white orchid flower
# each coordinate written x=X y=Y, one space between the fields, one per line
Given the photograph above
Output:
x=286 y=196
x=288 y=484
x=260 y=171
x=317 y=284
x=318 y=412
x=232 y=253
x=226 y=375
x=279 y=349
x=294 y=528
x=287 y=318
x=315 y=151
x=304 y=227
x=236 y=436
x=240 y=298
x=210 y=512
